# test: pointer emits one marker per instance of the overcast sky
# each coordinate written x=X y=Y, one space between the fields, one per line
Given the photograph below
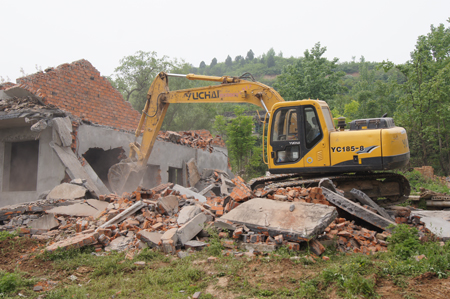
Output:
x=49 y=33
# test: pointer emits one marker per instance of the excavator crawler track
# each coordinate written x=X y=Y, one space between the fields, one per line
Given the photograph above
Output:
x=386 y=188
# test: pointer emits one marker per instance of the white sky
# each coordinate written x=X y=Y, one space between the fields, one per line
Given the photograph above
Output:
x=49 y=33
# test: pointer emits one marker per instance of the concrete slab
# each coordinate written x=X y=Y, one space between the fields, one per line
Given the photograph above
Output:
x=445 y=215
x=187 y=192
x=168 y=205
x=437 y=226
x=190 y=229
x=187 y=213
x=356 y=210
x=119 y=244
x=78 y=209
x=67 y=191
x=98 y=204
x=46 y=222
x=263 y=215
x=151 y=238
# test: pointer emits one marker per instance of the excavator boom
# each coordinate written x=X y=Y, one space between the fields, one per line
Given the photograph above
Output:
x=126 y=175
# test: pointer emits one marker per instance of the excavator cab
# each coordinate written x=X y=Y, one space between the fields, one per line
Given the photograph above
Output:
x=296 y=130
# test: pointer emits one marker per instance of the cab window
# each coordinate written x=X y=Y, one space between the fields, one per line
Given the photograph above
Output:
x=285 y=125
x=313 y=132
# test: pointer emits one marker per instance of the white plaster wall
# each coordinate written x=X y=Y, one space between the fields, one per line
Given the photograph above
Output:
x=50 y=168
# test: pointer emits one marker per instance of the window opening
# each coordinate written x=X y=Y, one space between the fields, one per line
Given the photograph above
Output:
x=23 y=166
x=176 y=175
x=101 y=161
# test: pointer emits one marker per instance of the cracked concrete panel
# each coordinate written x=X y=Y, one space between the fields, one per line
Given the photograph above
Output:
x=67 y=191
x=98 y=204
x=46 y=222
x=304 y=222
x=78 y=209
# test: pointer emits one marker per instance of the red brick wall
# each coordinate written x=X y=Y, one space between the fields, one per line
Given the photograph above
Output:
x=79 y=89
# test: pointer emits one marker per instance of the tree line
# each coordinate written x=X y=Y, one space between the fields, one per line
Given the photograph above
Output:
x=415 y=93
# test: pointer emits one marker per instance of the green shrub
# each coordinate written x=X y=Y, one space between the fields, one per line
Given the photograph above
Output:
x=404 y=241
x=8 y=282
x=6 y=235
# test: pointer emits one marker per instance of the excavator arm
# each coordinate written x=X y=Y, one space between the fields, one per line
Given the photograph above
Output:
x=126 y=175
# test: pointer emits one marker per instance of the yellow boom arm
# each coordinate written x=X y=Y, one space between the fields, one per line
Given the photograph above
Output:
x=127 y=174
x=232 y=90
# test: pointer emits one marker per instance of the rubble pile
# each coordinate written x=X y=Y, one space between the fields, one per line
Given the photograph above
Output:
x=28 y=102
x=354 y=238
x=191 y=139
x=174 y=219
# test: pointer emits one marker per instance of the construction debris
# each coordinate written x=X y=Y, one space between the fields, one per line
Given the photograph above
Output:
x=174 y=219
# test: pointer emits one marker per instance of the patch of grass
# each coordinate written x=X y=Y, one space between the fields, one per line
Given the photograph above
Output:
x=7 y=235
x=62 y=254
x=353 y=278
x=215 y=247
x=11 y=282
x=417 y=181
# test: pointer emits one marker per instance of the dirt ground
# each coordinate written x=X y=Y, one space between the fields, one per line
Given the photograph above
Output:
x=19 y=254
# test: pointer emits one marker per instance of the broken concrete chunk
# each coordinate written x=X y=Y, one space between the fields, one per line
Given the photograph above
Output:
x=98 y=204
x=263 y=247
x=274 y=217
x=152 y=239
x=187 y=192
x=67 y=191
x=46 y=222
x=171 y=234
x=168 y=205
x=194 y=175
x=119 y=244
x=356 y=210
x=195 y=244
x=74 y=242
x=366 y=200
x=77 y=209
x=187 y=213
x=224 y=224
x=437 y=226
x=190 y=229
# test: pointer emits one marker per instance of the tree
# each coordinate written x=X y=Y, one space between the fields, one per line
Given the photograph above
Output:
x=271 y=58
x=250 y=55
x=424 y=104
x=135 y=74
x=202 y=64
x=312 y=77
x=213 y=62
x=220 y=126
x=238 y=58
x=240 y=140
x=228 y=61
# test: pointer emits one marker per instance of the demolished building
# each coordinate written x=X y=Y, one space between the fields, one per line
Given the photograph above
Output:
x=69 y=122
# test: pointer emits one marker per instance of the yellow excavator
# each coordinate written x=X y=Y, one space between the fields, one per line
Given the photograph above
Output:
x=303 y=145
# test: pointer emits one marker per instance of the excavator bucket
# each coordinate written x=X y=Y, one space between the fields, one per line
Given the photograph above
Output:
x=125 y=176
